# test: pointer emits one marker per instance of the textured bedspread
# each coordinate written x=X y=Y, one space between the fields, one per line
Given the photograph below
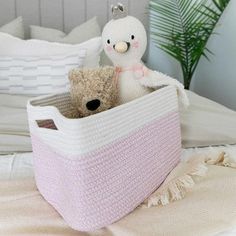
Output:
x=207 y=210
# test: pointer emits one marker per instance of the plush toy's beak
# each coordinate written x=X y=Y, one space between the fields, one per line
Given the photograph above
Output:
x=122 y=47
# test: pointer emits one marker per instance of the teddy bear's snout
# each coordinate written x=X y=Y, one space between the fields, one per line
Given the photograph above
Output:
x=93 y=105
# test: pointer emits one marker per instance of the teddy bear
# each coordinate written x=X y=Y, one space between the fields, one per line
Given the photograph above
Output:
x=125 y=41
x=92 y=90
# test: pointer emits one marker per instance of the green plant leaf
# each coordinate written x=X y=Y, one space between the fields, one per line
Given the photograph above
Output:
x=182 y=29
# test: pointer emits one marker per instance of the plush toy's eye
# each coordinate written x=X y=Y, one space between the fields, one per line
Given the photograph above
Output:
x=108 y=41
x=132 y=37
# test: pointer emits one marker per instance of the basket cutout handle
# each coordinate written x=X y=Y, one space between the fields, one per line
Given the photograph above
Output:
x=47 y=124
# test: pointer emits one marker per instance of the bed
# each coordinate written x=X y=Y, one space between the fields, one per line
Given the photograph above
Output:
x=22 y=209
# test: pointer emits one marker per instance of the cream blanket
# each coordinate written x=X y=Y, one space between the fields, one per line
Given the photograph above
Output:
x=208 y=208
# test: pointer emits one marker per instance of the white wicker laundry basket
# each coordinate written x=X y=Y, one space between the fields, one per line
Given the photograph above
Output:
x=97 y=169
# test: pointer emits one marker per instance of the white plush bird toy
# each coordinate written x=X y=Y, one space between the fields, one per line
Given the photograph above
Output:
x=125 y=42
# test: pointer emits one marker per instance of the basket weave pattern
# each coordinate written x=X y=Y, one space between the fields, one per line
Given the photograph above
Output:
x=96 y=187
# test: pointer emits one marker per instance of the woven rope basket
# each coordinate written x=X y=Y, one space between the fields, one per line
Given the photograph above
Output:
x=97 y=169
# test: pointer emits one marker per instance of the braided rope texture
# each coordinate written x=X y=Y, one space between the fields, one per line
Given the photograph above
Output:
x=99 y=186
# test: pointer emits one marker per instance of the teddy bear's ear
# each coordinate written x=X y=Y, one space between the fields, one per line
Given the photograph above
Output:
x=75 y=75
x=107 y=72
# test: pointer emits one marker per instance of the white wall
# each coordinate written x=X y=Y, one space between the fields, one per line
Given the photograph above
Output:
x=215 y=79
x=159 y=60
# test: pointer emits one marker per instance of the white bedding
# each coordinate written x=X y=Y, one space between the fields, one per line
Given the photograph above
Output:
x=19 y=167
x=14 y=131
x=16 y=166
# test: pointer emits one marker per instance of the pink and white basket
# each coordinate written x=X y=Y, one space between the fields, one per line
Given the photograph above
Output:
x=97 y=169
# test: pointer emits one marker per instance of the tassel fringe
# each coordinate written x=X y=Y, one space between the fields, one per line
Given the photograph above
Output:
x=177 y=188
x=222 y=160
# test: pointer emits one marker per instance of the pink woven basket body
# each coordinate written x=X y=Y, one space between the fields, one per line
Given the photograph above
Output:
x=96 y=170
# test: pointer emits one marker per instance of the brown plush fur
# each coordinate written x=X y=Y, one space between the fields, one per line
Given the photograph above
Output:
x=92 y=84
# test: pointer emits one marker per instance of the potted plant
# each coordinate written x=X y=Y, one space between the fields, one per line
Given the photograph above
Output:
x=182 y=29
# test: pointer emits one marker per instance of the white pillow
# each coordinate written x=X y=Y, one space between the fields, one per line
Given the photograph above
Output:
x=12 y=47
x=37 y=75
x=81 y=33
x=14 y=28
